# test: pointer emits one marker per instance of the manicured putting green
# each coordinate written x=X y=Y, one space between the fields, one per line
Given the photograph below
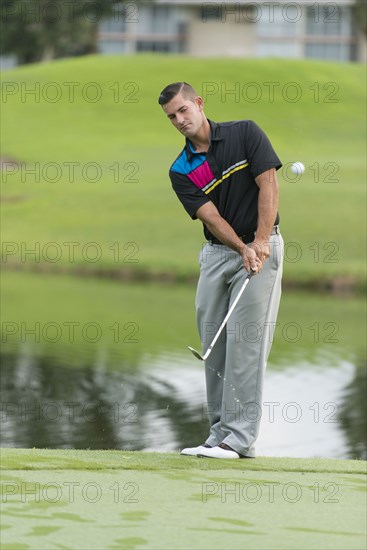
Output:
x=131 y=500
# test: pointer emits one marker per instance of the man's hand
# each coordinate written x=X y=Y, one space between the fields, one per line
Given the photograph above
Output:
x=250 y=259
x=255 y=255
x=262 y=250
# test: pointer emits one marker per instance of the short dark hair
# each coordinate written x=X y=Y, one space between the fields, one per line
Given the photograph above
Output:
x=172 y=90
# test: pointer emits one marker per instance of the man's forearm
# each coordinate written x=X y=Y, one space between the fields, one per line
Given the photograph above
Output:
x=221 y=229
x=267 y=204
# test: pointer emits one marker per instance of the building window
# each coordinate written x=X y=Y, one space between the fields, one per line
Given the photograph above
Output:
x=8 y=62
x=278 y=21
x=157 y=46
x=335 y=52
x=117 y=22
x=210 y=12
x=328 y=19
x=278 y=48
x=157 y=19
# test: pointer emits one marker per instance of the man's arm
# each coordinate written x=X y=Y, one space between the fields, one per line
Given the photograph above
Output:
x=254 y=255
x=267 y=211
x=218 y=226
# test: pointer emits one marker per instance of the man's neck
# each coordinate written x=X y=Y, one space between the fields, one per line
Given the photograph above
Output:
x=201 y=141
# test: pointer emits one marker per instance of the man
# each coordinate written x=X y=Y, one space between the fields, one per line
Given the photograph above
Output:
x=226 y=177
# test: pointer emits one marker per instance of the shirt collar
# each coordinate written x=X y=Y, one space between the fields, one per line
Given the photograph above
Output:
x=215 y=131
x=215 y=135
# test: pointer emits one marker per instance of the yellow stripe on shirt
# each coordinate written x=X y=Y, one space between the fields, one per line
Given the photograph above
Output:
x=225 y=177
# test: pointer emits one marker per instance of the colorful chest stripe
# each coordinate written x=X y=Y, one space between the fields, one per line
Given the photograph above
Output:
x=200 y=173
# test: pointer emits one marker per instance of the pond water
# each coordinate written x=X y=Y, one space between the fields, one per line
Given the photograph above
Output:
x=58 y=393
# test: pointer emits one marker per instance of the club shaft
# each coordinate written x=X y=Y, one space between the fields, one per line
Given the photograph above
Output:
x=228 y=314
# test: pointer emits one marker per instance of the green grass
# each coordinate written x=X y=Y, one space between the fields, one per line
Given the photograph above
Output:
x=154 y=234
x=310 y=327
x=41 y=459
x=116 y=499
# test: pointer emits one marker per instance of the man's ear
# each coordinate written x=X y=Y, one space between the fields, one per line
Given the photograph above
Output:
x=199 y=102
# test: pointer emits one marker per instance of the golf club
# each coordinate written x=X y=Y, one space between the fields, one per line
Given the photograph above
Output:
x=208 y=351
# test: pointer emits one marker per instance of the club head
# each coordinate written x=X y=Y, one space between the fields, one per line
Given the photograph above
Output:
x=196 y=353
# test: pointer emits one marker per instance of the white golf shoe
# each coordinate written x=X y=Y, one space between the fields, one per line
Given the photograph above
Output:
x=194 y=451
x=218 y=452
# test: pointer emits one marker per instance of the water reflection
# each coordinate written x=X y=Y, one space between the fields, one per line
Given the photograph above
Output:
x=161 y=406
x=47 y=404
x=353 y=417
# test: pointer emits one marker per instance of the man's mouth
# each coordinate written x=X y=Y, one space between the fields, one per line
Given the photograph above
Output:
x=183 y=128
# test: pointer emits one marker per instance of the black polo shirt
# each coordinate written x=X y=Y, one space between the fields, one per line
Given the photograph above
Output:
x=239 y=151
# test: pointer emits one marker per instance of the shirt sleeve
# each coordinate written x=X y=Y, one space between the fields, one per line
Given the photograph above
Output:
x=190 y=196
x=260 y=153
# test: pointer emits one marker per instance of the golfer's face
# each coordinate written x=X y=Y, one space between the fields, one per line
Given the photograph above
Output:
x=186 y=115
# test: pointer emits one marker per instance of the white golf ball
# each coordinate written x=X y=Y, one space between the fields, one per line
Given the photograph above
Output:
x=298 y=168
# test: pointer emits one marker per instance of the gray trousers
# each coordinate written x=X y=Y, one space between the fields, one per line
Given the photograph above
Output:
x=234 y=370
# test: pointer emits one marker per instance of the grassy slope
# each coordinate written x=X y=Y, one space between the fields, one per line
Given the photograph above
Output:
x=313 y=130
x=84 y=499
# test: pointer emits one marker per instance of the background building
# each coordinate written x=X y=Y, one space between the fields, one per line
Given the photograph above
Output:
x=305 y=29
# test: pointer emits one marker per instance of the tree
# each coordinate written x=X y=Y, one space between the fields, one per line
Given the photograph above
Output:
x=360 y=15
x=40 y=30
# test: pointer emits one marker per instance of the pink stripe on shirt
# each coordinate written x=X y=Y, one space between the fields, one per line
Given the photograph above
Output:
x=202 y=175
